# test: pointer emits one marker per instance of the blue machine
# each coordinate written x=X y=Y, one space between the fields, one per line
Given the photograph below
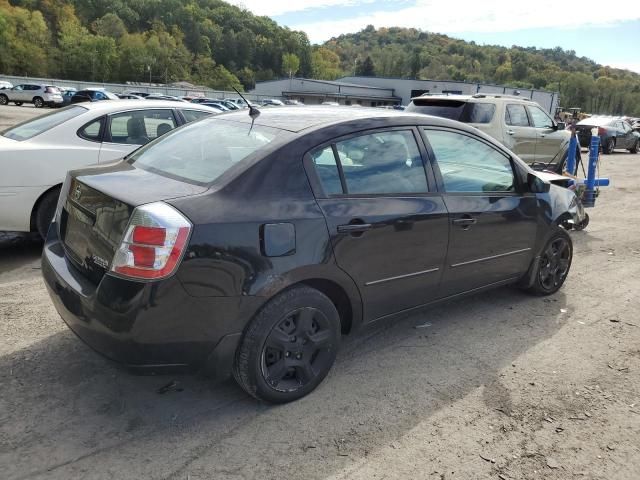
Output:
x=591 y=182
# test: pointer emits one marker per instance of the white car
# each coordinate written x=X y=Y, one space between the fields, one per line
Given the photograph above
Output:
x=39 y=95
x=36 y=155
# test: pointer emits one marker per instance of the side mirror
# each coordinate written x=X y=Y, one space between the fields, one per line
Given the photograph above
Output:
x=536 y=184
x=561 y=126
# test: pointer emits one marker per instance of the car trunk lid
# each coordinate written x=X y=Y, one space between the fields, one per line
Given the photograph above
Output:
x=95 y=212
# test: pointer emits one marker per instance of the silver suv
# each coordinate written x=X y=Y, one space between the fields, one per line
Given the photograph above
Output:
x=519 y=124
x=39 y=95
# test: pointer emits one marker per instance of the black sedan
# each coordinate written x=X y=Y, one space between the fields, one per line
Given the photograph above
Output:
x=613 y=132
x=252 y=244
x=92 y=95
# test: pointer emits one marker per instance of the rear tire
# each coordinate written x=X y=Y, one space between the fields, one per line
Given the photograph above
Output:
x=289 y=346
x=582 y=225
x=635 y=148
x=554 y=264
x=4 y=100
x=38 y=102
x=45 y=211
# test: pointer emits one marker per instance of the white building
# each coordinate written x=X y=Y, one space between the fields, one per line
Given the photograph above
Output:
x=380 y=91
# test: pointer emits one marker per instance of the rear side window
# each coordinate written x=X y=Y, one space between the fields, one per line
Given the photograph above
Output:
x=516 y=116
x=203 y=150
x=375 y=163
x=193 y=115
x=478 y=113
x=451 y=109
x=31 y=128
x=92 y=131
x=468 y=165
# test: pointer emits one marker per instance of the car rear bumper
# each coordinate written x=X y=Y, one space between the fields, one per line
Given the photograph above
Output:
x=146 y=326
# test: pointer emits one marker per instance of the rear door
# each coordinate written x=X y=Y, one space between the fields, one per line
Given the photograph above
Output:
x=520 y=136
x=127 y=131
x=493 y=221
x=388 y=228
x=627 y=135
x=549 y=140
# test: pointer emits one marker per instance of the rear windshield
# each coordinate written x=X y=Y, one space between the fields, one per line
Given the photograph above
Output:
x=202 y=151
x=454 y=109
x=31 y=128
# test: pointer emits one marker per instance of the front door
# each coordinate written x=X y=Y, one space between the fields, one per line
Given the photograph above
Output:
x=493 y=223
x=549 y=140
x=519 y=136
x=389 y=230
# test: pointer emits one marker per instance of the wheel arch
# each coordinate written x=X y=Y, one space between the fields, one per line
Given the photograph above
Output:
x=330 y=281
x=36 y=205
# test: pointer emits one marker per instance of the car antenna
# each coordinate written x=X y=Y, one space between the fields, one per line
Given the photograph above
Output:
x=253 y=111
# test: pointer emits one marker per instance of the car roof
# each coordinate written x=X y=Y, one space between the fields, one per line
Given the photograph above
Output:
x=296 y=119
x=480 y=97
x=109 y=106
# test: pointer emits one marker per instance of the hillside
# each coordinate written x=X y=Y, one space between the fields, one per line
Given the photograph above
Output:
x=411 y=53
x=213 y=43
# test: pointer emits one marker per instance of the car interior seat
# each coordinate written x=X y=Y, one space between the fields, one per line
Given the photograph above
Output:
x=162 y=129
x=136 y=131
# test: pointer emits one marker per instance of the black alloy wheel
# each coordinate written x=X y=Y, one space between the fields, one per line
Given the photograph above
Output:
x=289 y=346
x=554 y=264
x=297 y=350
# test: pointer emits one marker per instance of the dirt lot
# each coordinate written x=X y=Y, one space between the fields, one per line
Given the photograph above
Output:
x=10 y=114
x=496 y=386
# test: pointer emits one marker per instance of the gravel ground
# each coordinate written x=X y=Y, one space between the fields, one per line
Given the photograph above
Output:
x=496 y=386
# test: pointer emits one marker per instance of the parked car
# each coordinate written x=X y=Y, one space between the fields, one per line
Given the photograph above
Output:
x=229 y=104
x=272 y=102
x=137 y=93
x=202 y=100
x=613 y=132
x=93 y=95
x=4 y=84
x=67 y=94
x=129 y=96
x=218 y=103
x=35 y=155
x=170 y=98
x=39 y=95
x=252 y=245
x=519 y=124
x=290 y=101
x=215 y=106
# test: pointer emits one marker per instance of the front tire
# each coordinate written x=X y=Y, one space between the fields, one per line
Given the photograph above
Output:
x=289 y=347
x=635 y=148
x=554 y=264
x=609 y=145
x=38 y=102
x=45 y=211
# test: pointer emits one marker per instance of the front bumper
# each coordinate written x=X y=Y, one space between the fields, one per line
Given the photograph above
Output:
x=153 y=326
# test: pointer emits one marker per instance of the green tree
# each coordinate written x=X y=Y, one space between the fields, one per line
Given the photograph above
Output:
x=290 y=64
x=367 y=69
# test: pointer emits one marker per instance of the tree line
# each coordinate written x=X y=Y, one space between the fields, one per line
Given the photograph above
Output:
x=212 y=43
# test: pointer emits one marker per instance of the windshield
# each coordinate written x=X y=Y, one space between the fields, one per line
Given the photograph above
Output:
x=31 y=128
x=202 y=151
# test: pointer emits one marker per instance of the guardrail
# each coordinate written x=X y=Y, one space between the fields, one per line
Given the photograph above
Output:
x=133 y=86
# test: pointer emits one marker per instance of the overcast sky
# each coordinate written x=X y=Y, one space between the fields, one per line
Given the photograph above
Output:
x=607 y=32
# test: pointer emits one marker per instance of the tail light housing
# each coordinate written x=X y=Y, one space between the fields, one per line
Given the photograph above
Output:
x=153 y=244
x=602 y=131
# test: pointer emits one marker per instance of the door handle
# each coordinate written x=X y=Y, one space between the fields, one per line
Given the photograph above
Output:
x=354 y=227
x=542 y=135
x=464 y=222
x=510 y=132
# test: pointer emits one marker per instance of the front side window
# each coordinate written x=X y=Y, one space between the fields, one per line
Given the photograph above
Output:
x=31 y=128
x=516 y=116
x=539 y=118
x=469 y=165
x=376 y=163
x=204 y=150
x=140 y=126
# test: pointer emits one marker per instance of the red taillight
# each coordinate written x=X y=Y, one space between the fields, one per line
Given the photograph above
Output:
x=602 y=131
x=153 y=244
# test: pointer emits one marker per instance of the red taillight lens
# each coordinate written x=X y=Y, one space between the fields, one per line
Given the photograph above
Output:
x=602 y=131
x=153 y=244
x=149 y=235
